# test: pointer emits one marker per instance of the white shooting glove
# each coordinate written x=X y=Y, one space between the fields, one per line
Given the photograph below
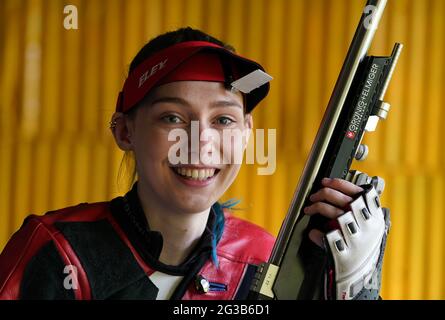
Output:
x=356 y=250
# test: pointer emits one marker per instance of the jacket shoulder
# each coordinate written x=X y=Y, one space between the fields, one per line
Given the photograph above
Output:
x=83 y=212
x=36 y=233
x=245 y=241
x=242 y=245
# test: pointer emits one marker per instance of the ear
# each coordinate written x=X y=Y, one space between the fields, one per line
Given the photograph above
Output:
x=122 y=128
x=248 y=125
x=248 y=121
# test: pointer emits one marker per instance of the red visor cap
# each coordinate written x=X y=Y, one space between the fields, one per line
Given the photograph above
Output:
x=162 y=65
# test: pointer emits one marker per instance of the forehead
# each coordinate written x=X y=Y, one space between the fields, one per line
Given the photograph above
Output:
x=195 y=91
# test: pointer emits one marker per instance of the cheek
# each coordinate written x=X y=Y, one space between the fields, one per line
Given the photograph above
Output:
x=232 y=146
x=152 y=146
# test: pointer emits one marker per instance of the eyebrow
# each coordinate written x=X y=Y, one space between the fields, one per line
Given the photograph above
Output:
x=226 y=103
x=178 y=100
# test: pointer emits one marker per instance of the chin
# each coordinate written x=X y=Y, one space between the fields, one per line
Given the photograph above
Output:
x=192 y=203
x=194 y=207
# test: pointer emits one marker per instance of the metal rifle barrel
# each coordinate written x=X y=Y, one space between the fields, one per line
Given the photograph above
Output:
x=357 y=51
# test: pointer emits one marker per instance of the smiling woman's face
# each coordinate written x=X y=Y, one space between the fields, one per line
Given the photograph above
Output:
x=187 y=187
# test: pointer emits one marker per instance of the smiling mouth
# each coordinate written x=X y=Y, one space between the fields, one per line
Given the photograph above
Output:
x=195 y=173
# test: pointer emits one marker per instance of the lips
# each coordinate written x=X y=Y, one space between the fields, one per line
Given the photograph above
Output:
x=195 y=173
x=195 y=177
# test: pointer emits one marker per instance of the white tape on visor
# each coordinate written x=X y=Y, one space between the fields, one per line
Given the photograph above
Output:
x=251 y=81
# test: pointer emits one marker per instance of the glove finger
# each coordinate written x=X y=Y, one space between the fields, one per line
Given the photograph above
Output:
x=373 y=202
x=336 y=242
x=349 y=227
x=360 y=211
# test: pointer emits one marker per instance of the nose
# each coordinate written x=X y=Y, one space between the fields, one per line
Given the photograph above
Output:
x=204 y=140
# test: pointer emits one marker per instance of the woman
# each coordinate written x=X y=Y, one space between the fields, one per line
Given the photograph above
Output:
x=168 y=237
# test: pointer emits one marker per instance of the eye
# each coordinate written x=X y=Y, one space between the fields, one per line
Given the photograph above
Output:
x=224 y=121
x=171 y=118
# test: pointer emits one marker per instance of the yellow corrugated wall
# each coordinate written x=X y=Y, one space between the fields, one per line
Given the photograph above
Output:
x=58 y=89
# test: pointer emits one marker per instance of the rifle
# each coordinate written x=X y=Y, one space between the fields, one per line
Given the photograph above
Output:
x=355 y=106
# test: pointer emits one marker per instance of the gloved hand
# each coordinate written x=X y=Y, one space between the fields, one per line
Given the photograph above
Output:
x=356 y=250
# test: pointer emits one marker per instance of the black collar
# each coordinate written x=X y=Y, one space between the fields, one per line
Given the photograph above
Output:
x=129 y=214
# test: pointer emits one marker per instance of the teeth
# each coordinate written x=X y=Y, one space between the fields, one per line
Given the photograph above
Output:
x=196 y=174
